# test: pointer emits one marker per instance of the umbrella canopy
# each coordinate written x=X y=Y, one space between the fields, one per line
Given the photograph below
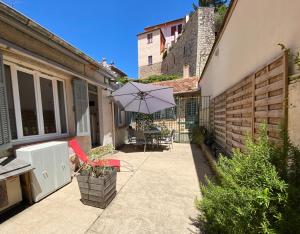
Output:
x=144 y=98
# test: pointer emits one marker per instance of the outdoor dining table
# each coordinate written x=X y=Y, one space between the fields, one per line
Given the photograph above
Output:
x=153 y=135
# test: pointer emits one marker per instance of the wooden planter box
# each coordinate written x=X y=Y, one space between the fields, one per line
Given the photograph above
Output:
x=98 y=192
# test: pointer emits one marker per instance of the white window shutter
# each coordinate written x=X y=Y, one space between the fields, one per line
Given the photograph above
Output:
x=5 y=138
x=81 y=102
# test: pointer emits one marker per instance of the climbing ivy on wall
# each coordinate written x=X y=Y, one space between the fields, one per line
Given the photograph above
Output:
x=150 y=79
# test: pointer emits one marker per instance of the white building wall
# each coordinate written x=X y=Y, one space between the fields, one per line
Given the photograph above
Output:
x=250 y=40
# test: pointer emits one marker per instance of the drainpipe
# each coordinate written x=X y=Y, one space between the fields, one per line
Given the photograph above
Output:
x=113 y=124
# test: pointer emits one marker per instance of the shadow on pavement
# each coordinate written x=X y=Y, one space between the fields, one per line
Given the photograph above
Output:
x=130 y=148
x=201 y=165
x=13 y=211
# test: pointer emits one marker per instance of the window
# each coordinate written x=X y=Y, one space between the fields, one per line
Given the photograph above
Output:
x=36 y=103
x=150 y=60
x=165 y=114
x=48 y=105
x=149 y=38
x=191 y=108
x=62 y=106
x=10 y=100
x=119 y=116
x=173 y=30
x=157 y=115
x=28 y=104
x=179 y=28
x=106 y=80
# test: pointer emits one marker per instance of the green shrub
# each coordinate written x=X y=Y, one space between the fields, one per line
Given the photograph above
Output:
x=150 y=79
x=249 y=196
x=97 y=153
x=143 y=121
x=198 y=135
x=287 y=161
x=158 y=78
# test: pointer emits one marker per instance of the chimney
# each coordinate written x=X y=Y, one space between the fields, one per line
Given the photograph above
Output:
x=187 y=18
x=186 y=71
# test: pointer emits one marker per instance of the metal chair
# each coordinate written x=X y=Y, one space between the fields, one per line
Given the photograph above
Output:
x=168 y=140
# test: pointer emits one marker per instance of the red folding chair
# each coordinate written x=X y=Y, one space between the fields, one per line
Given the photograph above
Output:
x=84 y=158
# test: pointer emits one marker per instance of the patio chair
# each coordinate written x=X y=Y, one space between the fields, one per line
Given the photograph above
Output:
x=84 y=158
x=131 y=135
x=168 y=140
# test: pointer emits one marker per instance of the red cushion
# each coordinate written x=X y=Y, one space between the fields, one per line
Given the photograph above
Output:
x=84 y=158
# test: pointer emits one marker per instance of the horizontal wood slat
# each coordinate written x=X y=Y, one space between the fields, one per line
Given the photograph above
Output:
x=269 y=114
x=268 y=88
x=269 y=101
x=275 y=72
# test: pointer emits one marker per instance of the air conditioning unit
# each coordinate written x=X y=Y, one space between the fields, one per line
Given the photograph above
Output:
x=51 y=163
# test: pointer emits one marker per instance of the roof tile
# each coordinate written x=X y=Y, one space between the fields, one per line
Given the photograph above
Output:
x=181 y=85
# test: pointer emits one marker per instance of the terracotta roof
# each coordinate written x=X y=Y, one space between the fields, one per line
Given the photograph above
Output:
x=163 y=24
x=182 y=85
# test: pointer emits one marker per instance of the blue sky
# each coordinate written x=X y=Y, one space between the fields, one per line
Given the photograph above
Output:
x=103 y=28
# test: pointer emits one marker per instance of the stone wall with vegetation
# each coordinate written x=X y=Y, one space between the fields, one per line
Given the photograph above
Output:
x=149 y=70
x=193 y=46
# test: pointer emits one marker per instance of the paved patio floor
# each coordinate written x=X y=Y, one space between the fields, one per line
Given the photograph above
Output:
x=157 y=197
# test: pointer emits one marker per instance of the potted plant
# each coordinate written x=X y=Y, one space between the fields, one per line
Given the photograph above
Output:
x=97 y=185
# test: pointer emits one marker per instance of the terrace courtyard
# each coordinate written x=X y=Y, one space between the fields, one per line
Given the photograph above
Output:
x=156 y=197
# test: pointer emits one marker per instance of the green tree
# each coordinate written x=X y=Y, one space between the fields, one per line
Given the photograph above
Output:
x=220 y=16
x=209 y=3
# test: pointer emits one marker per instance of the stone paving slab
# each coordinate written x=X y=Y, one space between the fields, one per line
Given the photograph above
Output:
x=157 y=197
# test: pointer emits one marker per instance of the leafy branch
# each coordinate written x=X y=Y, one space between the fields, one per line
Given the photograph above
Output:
x=295 y=58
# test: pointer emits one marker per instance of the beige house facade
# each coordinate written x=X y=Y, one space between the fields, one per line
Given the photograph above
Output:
x=248 y=40
x=150 y=53
x=153 y=42
x=49 y=89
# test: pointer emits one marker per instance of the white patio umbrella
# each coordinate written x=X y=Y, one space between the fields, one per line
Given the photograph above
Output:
x=144 y=98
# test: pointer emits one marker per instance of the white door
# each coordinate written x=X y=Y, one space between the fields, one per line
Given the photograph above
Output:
x=43 y=175
x=62 y=167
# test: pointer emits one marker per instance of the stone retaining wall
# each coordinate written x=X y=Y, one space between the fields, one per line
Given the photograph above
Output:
x=193 y=46
x=148 y=70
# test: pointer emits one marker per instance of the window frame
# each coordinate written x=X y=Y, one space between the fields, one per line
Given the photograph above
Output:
x=172 y=28
x=179 y=26
x=150 y=38
x=38 y=99
x=150 y=56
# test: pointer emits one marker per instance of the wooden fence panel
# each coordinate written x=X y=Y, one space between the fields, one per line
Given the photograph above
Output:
x=220 y=119
x=239 y=113
x=259 y=98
